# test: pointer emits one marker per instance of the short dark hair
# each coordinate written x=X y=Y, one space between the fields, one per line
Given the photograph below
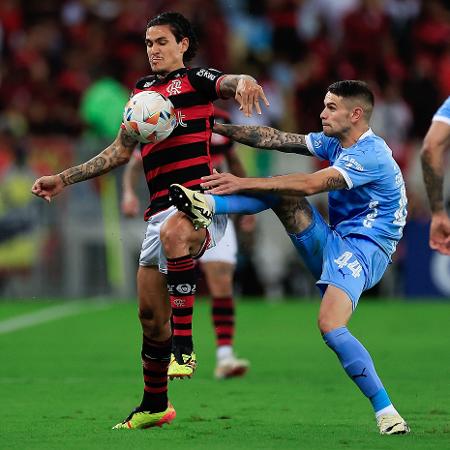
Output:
x=354 y=89
x=180 y=27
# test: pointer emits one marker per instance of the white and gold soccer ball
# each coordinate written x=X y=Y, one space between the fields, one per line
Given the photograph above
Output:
x=149 y=117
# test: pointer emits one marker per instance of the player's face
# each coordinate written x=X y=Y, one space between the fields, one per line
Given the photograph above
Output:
x=336 y=115
x=164 y=53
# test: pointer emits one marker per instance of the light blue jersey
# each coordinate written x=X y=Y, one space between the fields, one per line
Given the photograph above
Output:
x=443 y=113
x=374 y=205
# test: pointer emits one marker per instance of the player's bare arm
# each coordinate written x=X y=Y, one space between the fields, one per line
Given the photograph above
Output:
x=246 y=91
x=435 y=144
x=265 y=137
x=295 y=184
x=116 y=154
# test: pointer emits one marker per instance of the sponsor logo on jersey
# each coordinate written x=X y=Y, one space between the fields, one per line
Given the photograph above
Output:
x=206 y=74
x=317 y=143
x=353 y=164
x=174 y=87
x=186 y=288
x=179 y=302
x=147 y=84
x=180 y=121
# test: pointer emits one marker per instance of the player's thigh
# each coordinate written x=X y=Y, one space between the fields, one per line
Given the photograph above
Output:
x=312 y=240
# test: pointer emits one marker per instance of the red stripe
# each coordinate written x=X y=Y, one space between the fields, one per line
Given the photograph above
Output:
x=176 y=166
x=153 y=390
x=183 y=266
x=219 y=318
x=182 y=319
x=176 y=141
x=224 y=341
x=182 y=332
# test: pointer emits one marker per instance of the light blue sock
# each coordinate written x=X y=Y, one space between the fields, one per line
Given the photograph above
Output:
x=243 y=204
x=358 y=364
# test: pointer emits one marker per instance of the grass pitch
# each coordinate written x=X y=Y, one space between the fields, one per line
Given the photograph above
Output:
x=65 y=382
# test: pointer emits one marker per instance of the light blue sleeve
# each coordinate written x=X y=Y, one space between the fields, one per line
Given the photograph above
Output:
x=443 y=113
x=357 y=167
x=319 y=145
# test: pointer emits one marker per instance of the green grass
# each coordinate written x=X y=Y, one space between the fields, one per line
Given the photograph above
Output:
x=63 y=384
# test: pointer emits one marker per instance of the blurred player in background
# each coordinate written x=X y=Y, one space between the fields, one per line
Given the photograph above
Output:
x=218 y=263
x=171 y=240
x=367 y=206
x=435 y=144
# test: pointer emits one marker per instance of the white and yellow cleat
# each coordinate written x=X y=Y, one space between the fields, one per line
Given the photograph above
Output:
x=185 y=370
x=146 y=419
x=193 y=204
x=231 y=367
x=392 y=424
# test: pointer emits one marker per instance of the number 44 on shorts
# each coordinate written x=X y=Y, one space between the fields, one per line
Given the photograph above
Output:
x=344 y=261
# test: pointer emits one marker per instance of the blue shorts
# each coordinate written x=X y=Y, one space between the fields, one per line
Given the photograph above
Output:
x=352 y=263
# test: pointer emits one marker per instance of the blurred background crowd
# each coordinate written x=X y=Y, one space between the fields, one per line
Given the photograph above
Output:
x=66 y=70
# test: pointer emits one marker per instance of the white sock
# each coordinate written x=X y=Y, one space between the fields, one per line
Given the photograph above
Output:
x=209 y=199
x=388 y=410
x=224 y=352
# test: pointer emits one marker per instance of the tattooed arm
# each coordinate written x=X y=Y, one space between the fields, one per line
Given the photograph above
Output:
x=436 y=142
x=295 y=184
x=245 y=90
x=265 y=137
x=116 y=154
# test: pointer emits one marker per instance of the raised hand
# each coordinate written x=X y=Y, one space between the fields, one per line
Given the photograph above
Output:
x=248 y=94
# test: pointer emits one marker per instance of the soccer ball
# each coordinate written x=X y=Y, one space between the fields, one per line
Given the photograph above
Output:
x=149 y=117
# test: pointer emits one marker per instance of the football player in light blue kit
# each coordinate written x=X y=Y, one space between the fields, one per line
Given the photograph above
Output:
x=435 y=144
x=367 y=206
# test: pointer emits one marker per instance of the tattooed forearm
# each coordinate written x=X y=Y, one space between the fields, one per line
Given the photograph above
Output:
x=265 y=137
x=433 y=182
x=335 y=183
x=116 y=154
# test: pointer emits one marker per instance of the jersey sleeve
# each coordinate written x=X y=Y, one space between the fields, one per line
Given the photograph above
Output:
x=319 y=145
x=206 y=81
x=443 y=113
x=358 y=167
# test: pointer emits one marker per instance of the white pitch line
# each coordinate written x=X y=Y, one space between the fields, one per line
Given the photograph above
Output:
x=47 y=315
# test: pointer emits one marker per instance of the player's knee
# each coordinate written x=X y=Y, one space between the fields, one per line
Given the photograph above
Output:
x=327 y=323
x=174 y=234
x=153 y=325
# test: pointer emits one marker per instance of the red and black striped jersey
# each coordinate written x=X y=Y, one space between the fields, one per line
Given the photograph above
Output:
x=183 y=157
x=220 y=145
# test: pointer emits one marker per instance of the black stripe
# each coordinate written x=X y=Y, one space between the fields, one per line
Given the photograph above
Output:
x=173 y=155
x=150 y=352
x=224 y=336
x=220 y=149
x=188 y=99
x=218 y=323
x=151 y=373
x=179 y=176
x=182 y=326
x=223 y=311
x=193 y=126
x=182 y=311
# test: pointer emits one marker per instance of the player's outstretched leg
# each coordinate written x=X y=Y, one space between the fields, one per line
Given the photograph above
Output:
x=335 y=311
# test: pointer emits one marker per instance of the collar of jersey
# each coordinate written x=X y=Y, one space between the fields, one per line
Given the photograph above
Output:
x=171 y=75
x=368 y=133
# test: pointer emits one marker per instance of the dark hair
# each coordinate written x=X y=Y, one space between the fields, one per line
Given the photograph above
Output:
x=354 y=88
x=180 y=27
